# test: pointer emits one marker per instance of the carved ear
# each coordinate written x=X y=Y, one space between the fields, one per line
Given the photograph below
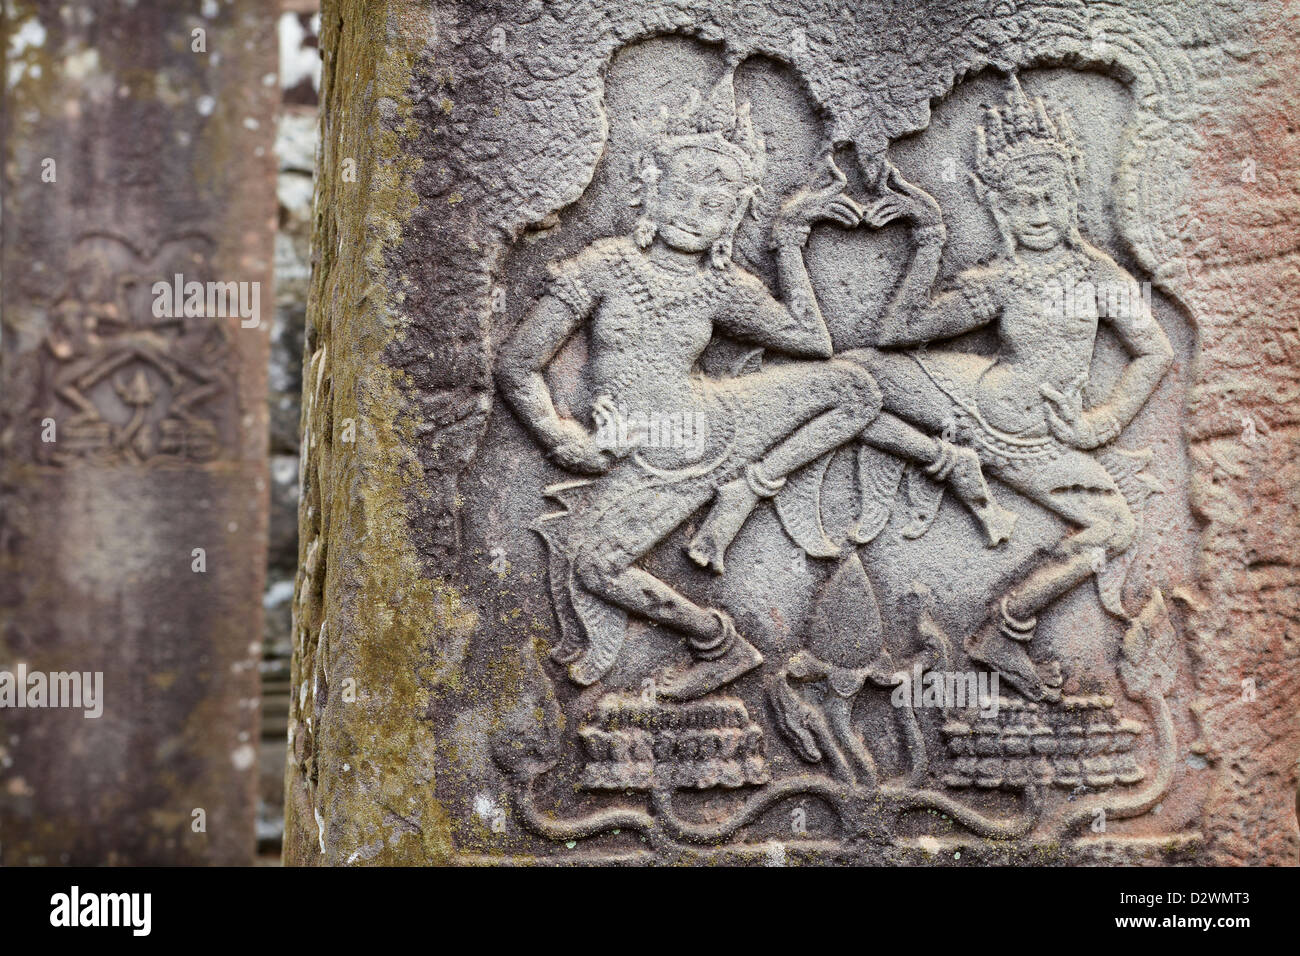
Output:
x=1004 y=230
x=643 y=233
x=720 y=254
x=1075 y=235
x=990 y=138
x=645 y=176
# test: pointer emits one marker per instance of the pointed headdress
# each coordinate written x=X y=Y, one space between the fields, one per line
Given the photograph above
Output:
x=1023 y=130
x=712 y=122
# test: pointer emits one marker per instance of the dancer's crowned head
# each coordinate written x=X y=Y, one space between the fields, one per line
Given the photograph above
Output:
x=701 y=168
x=1027 y=162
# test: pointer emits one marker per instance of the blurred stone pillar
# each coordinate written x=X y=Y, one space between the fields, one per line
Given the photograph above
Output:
x=139 y=204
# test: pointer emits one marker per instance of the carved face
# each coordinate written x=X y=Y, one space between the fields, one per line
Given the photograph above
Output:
x=697 y=198
x=1038 y=205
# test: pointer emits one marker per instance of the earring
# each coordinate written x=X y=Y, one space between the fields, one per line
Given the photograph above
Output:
x=720 y=253
x=644 y=232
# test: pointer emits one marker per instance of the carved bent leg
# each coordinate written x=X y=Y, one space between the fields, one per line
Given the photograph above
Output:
x=640 y=592
x=791 y=415
x=944 y=461
x=721 y=653
x=905 y=391
x=910 y=398
x=1106 y=529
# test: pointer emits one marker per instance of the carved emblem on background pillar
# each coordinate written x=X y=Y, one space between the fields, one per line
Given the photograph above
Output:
x=125 y=381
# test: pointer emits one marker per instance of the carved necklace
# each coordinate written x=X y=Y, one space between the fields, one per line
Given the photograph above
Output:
x=1032 y=277
x=656 y=288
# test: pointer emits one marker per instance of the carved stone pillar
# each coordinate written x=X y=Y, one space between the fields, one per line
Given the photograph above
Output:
x=138 y=222
x=761 y=432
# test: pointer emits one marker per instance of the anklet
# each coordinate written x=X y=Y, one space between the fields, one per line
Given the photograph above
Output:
x=1017 y=629
x=708 y=650
x=759 y=485
x=944 y=461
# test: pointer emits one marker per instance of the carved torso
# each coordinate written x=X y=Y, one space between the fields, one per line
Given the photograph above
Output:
x=649 y=324
x=1040 y=341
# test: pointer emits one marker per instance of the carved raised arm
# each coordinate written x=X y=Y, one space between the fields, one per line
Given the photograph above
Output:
x=1150 y=348
x=789 y=236
x=914 y=315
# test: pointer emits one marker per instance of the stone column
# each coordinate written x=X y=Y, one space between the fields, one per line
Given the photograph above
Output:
x=295 y=148
x=139 y=205
x=636 y=527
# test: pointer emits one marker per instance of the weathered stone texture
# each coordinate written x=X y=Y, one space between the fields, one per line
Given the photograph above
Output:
x=133 y=435
x=493 y=147
x=295 y=148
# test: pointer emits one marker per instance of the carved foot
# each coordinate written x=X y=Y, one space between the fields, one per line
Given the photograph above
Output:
x=733 y=503
x=966 y=478
x=1049 y=672
x=992 y=646
x=705 y=676
x=996 y=521
x=567 y=652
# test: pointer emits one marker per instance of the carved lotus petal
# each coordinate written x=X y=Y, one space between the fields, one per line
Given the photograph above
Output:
x=845 y=628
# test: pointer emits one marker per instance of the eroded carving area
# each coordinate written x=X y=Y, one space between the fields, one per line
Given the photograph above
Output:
x=836 y=500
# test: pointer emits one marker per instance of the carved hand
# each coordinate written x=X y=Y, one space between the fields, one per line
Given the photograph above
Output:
x=577 y=450
x=812 y=204
x=899 y=199
x=615 y=434
x=1071 y=424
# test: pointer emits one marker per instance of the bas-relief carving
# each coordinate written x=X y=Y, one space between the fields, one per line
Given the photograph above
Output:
x=853 y=441
x=122 y=384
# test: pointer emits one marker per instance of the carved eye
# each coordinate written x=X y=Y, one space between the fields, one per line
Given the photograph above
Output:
x=715 y=202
